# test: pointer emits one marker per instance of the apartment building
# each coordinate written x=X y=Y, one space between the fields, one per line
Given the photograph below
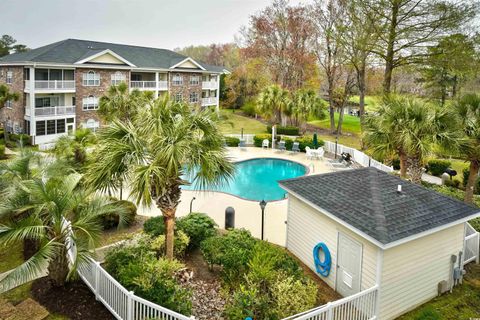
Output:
x=60 y=84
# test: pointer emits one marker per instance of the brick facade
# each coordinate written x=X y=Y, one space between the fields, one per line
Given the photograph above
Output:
x=186 y=88
x=97 y=91
x=15 y=115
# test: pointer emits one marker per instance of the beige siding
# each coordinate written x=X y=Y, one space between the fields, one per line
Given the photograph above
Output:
x=307 y=226
x=107 y=58
x=412 y=271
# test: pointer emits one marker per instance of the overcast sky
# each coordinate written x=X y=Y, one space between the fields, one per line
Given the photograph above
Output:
x=156 y=23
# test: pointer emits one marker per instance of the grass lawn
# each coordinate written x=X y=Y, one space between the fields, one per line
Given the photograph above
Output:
x=459 y=165
x=234 y=122
x=352 y=141
x=463 y=303
x=350 y=124
x=371 y=102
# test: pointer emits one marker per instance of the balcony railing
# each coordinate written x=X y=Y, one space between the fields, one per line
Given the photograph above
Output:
x=52 y=84
x=209 y=85
x=52 y=111
x=149 y=85
x=209 y=101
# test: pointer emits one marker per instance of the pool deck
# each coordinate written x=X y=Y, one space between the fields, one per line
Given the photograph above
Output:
x=247 y=213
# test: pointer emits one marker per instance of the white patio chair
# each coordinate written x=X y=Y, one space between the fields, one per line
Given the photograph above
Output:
x=320 y=153
x=265 y=143
x=309 y=153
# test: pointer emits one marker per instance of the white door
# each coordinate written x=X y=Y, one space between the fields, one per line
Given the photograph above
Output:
x=349 y=265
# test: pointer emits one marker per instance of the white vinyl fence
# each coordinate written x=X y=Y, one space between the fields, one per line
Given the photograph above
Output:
x=360 y=306
x=123 y=304
x=472 y=245
x=358 y=156
x=247 y=137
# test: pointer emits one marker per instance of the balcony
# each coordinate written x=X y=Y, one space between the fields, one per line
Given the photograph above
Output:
x=210 y=85
x=52 y=111
x=52 y=85
x=211 y=101
x=149 y=85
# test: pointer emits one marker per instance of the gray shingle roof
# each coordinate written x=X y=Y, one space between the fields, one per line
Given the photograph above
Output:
x=367 y=199
x=72 y=50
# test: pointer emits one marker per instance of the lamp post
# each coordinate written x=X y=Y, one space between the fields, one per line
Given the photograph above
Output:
x=336 y=143
x=191 y=202
x=263 y=204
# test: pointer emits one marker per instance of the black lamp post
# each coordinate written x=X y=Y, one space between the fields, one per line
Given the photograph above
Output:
x=191 y=202
x=263 y=204
x=336 y=143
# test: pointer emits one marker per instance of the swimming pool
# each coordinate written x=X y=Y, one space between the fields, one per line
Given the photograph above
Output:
x=257 y=179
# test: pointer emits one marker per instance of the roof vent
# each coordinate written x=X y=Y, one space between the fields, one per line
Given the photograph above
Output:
x=399 y=188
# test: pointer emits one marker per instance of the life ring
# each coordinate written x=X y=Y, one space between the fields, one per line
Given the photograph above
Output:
x=322 y=267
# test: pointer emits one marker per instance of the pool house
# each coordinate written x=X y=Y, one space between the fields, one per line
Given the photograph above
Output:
x=369 y=233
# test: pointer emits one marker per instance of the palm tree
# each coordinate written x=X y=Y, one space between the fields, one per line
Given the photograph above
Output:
x=6 y=95
x=273 y=102
x=410 y=128
x=120 y=103
x=73 y=147
x=305 y=104
x=155 y=150
x=468 y=111
x=63 y=217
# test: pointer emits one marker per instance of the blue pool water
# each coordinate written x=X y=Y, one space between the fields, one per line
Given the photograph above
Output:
x=257 y=179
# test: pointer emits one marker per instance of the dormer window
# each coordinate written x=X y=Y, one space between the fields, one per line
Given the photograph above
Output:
x=177 y=80
x=91 y=78
x=118 y=78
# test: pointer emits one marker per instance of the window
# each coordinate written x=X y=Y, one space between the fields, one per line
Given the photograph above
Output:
x=91 y=78
x=27 y=127
x=92 y=125
x=61 y=126
x=9 y=77
x=9 y=104
x=47 y=102
x=177 y=80
x=178 y=97
x=90 y=103
x=117 y=78
x=193 y=97
x=74 y=101
x=40 y=128
x=70 y=120
x=51 y=127
x=194 y=80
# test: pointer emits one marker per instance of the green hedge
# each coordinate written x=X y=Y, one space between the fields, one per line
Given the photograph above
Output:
x=438 y=166
x=288 y=130
x=258 y=139
x=249 y=108
x=25 y=138
x=112 y=220
x=232 y=141
x=305 y=141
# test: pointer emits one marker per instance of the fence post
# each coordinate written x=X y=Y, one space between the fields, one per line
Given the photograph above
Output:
x=329 y=311
x=96 y=266
x=477 y=260
x=130 y=306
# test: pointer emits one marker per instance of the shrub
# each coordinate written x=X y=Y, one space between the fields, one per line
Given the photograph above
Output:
x=245 y=302
x=231 y=251
x=282 y=261
x=287 y=130
x=249 y=108
x=112 y=220
x=2 y=151
x=258 y=139
x=455 y=183
x=438 y=166
x=292 y=296
x=154 y=226
x=180 y=244
x=197 y=226
x=137 y=269
x=232 y=141
x=396 y=163
x=25 y=138
x=475 y=224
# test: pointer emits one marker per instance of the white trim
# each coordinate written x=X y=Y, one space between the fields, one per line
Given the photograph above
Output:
x=101 y=53
x=190 y=60
x=373 y=240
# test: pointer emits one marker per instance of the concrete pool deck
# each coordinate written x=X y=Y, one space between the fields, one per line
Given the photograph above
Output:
x=247 y=213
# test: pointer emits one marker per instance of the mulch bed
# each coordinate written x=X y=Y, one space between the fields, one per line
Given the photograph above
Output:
x=74 y=300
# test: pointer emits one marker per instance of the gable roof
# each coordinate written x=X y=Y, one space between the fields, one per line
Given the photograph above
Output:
x=367 y=200
x=71 y=51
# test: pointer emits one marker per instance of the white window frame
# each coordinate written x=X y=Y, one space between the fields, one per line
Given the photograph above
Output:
x=195 y=97
x=9 y=79
x=177 y=79
x=178 y=97
x=118 y=78
x=9 y=104
x=194 y=80
x=91 y=79
x=92 y=124
x=90 y=103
